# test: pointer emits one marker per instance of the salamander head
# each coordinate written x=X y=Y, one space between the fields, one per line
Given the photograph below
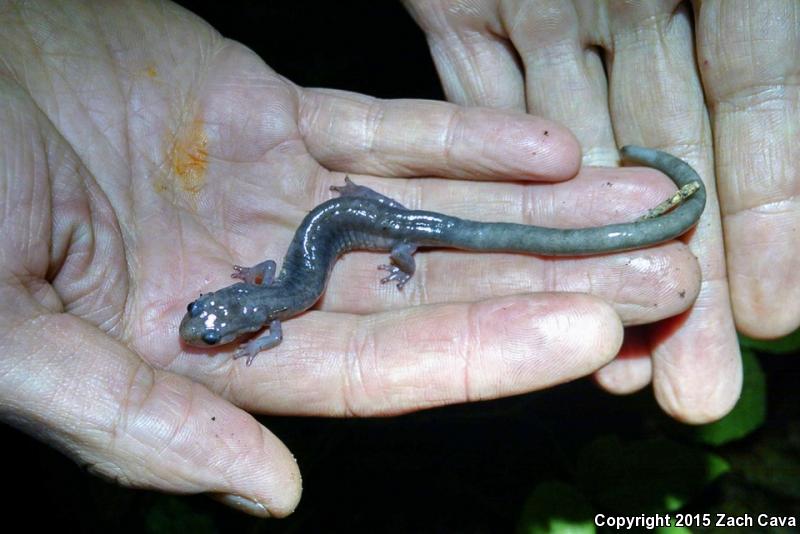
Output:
x=222 y=316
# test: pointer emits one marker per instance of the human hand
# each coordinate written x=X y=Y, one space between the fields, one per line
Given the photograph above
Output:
x=144 y=155
x=617 y=74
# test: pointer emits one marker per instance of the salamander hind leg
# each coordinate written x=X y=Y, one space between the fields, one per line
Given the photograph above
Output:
x=403 y=265
x=351 y=189
x=258 y=275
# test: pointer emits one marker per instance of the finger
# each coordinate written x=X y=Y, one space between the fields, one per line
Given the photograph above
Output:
x=643 y=287
x=632 y=369
x=476 y=62
x=140 y=427
x=398 y=361
x=748 y=59
x=357 y=134
x=564 y=75
x=656 y=100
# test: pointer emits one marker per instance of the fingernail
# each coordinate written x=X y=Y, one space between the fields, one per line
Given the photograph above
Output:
x=243 y=504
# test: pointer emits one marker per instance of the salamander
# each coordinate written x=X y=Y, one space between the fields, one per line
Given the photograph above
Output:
x=363 y=219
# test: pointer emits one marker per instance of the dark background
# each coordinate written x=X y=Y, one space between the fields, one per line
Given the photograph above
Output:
x=371 y=47
x=456 y=469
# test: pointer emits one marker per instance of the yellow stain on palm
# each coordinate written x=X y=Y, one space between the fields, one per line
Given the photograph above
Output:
x=188 y=158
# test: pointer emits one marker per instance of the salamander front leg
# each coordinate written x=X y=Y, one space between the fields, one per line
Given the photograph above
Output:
x=259 y=275
x=402 y=267
x=265 y=341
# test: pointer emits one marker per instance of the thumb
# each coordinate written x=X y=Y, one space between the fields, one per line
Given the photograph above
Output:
x=107 y=409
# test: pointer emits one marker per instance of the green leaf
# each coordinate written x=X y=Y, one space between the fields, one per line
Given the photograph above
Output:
x=785 y=345
x=672 y=530
x=645 y=476
x=556 y=508
x=749 y=412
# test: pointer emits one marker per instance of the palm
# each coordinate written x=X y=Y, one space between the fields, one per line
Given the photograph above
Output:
x=233 y=180
x=189 y=163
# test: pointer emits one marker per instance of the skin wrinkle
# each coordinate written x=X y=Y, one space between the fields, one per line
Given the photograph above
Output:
x=6 y=71
x=764 y=208
x=678 y=396
x=117 y=81
x=768 y=197
x=62 y=135
x=550 y=274
x=123 y=416
x=83 y=248
x=224 y=471
x=751 y=193
x=38 y=230
x=468 y=40
x=419 y=291
x=471 y=347
x=293 y=139
x=42 y=358
x=746 y=97
x=178 y=439
x=400 y=390
x=175 y=428
x=528 y=201
x=478 y=91
x=72 y=229
x=181 y=248
x=361 y=348
x=105 y=282
x=308 y=113
x=453 y=124
x=373 y=124
x=15 y=366
x=549 y=23
x=54 y=255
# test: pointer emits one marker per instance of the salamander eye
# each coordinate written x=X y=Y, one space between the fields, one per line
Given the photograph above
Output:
x=210 y=338
x=193 y=308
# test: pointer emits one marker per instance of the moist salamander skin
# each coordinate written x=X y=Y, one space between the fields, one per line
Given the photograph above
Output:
x=362 y=219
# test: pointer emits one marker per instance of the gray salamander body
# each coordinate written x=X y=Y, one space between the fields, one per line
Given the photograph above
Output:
x=365 y=220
